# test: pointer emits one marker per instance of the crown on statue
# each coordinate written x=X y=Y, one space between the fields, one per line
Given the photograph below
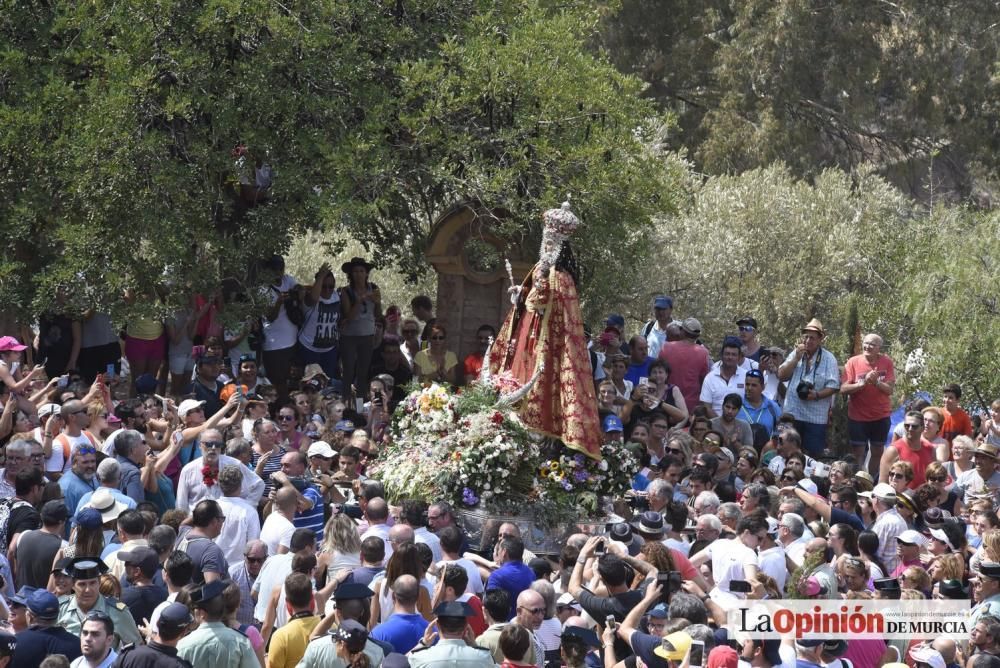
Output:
x=561 y=221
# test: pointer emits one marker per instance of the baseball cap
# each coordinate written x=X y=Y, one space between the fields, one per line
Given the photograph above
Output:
x=174 y=616
x=187 y=406
x=43 y=604
x=320 y=449
x=46 y=410
x=663 y=301
x=722 y=656
x=615 y=320
x=928 y=655
x=747 y=320
x=88 y=518
x=54 y=511
x=691 y=326
x=911 y=537
x=940 y=535
x=345 y=426
x=613 y=423
x=807 y=485
x=581 y=634
x=141 y=556
x=884 y=492
x=9 y=343
x=674 y=647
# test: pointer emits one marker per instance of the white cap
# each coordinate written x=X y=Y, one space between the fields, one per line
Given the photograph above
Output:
x=941 y=536
x=187 y=406
x=48 y=409
x=928 y=655
x=808 y=485
x=911 y=537
x=884 y=491
x=320 y=449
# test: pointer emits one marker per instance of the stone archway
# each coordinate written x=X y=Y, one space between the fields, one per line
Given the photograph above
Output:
x=472 y=278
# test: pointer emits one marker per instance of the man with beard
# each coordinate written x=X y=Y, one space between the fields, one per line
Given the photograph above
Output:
x=199 y=478
x=79 y=480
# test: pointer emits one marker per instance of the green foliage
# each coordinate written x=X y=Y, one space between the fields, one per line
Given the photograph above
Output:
x=119 y=121
x=823 y=84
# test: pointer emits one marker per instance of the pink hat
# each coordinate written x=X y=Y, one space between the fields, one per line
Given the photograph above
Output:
x=723 y=657
x=9 y=343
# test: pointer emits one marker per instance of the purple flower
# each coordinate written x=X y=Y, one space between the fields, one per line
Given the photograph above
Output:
x=579 y=460
x=469 y=497
x=568 y=487
x=580 y=476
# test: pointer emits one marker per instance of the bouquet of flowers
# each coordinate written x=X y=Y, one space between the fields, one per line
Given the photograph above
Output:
x=471 y=449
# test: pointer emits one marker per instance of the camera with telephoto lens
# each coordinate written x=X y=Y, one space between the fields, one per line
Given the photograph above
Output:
x=803 y=389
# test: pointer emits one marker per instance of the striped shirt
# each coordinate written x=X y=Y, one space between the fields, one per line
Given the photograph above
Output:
x=272 y=465
x=312 y=518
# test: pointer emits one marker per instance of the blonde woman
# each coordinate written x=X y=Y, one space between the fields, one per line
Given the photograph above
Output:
x=949 y=566
x=900 y=476
x=341 y=547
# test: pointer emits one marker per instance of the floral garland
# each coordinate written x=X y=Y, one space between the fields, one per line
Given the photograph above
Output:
x=209 y=475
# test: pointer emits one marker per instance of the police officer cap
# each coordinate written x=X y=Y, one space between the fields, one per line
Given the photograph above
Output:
x=886 y=584
x=580 y=634
x=43 y=604
x=351 y=633
x=7 y=643
x=86 y=568
x=352 y=591
x=990 y=569
x=953 y=589
x=207 y=592
x=453 y=609
x=174 y=616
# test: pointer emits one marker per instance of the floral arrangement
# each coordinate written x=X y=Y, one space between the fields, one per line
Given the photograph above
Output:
x=470 y=449
x=209 y=475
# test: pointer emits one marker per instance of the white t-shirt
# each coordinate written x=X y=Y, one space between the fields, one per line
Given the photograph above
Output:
x=56 y=461
x=281 y=332
x=320 y=331
x=475 y=579
x=772 y=562
x=729 y=557
x=277 y=530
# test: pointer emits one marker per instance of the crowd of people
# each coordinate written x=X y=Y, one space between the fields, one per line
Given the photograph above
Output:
x=210 y=507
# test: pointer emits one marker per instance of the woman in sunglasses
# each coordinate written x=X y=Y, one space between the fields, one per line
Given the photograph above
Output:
x=936 y=491
x=436 y=364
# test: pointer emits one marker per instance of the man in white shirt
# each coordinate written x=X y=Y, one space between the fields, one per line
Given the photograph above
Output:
x=791 y=530
x=734 y=559
x=771 y=555
x=451 y=547
x=727 y=378
x=377 y=514
x=277 y=568
x=414 y=514
x=242 y=524
x=278 y=526
x=194 y=485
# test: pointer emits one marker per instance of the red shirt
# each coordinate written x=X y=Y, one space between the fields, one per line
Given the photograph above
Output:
x=473 y=364
x=919 y=459
x=956 y=423
x=869 y=403
x=688 y=367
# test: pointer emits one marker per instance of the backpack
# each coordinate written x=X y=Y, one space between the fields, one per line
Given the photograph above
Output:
x=647 y=328
x=293 y=306
x=760 y=433
x=7 y=506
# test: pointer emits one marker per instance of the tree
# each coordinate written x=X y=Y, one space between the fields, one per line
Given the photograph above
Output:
x=907 y=86
x=131 y=133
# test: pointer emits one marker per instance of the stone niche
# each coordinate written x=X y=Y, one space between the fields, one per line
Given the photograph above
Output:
x=472 y=277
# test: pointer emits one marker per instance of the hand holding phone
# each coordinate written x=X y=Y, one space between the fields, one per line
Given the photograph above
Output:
x=601 y=549
x=696 y=654
x=611 y=622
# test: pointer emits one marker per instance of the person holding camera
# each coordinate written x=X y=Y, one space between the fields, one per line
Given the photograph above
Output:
x=814 y=378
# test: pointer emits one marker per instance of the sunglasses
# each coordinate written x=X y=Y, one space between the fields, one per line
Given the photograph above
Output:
x=437 y=338
x=254 y=560
x=913 y=426
x=746 y=328
x=937 y=478
x=754 y=373
x=533 y=611
x=894 y=474
x=788 y=478
x=675 y=451
x=86 y=450
x=212 y=444
x=286 y=418
x=98 y=615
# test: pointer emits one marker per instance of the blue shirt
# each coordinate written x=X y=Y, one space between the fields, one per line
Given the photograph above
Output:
x=637 y=371
x=312 y=518
x=401 y=630
x=74 y=488
x=766 y=416
x=838 y=516
x=513 y=577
